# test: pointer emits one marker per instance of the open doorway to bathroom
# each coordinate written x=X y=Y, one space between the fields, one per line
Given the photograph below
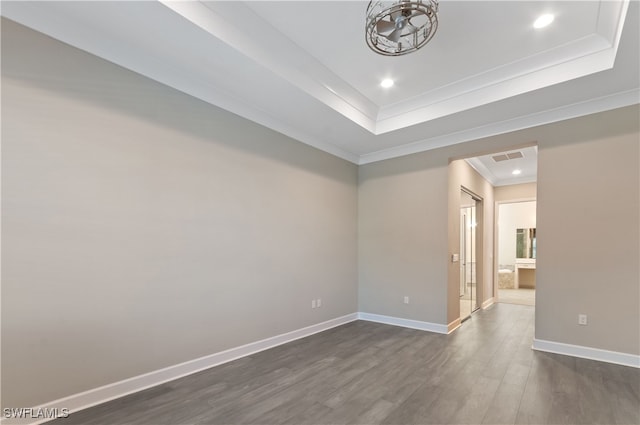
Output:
x=517 y=251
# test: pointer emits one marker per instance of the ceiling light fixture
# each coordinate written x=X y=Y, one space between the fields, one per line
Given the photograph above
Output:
x=399 y=27
x=386 y=83
x=516 y=172
x=543 y=21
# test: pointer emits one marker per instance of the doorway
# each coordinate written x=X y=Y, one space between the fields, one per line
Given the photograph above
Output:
x=468 y=254
x=516 y=250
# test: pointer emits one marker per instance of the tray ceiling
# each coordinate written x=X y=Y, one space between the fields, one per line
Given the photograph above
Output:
x=303 y=68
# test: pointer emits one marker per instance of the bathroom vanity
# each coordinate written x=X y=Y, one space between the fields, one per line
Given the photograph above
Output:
x=525 y=273
x=525 y=267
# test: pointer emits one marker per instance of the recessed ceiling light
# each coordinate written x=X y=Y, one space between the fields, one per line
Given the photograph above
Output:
x=543 y=21
x=386 y=83
x=516 y=172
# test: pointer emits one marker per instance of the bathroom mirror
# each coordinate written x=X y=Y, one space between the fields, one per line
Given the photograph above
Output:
x=526 y=243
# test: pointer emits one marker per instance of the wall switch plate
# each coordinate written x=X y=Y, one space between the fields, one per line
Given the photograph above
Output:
x=319 y=302
x=455 y=258
x=582 y=319
x=313 y=303
x=406 y=300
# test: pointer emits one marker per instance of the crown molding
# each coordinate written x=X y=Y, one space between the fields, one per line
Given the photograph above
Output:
x=592 y=106
x=577 y=58
x=307 y=80
x=289 y=61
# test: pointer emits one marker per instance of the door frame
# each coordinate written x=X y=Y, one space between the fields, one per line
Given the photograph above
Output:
x=479 y=240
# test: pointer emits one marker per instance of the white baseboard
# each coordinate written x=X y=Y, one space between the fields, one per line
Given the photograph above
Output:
x=587 y=353
x=406 y=323
x=115 y=390
x=454 y=325
x=488 y=303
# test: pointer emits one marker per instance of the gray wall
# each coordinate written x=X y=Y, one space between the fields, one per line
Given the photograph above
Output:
x=588 y=215
x=142 y=228
x=402 y=239
x=588 y=232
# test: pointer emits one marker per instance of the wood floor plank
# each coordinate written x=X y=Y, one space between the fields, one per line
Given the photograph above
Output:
x=503 y=408
x=564 y=386
x=370 y=373
x=416 y=407
x=624 y=400
x=538 y=396
x=478 y=401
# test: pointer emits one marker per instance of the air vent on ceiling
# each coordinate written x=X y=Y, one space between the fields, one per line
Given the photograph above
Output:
x=507 y=156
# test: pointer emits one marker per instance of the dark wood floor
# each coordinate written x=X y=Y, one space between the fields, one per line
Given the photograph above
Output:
x=368 y=373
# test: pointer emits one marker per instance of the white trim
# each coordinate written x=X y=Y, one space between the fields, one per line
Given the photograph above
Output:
x=305 y=76
x=134 y=384
x=405 y=323
x=488 y=303
x=295 y=65
x=119 y=389
x=454 y=325
x=598 y=354
x=565 y=112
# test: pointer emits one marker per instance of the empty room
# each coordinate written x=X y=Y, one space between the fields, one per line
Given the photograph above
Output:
x=320 y=212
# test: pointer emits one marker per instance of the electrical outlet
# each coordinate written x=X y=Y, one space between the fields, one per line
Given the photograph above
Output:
x=582 y=319
x=313 y=304
x=406 y=299
x=319 y=303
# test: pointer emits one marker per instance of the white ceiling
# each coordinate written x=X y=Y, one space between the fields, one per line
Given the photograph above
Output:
x=303 y=68
x=500 y=172
x=454 y=55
